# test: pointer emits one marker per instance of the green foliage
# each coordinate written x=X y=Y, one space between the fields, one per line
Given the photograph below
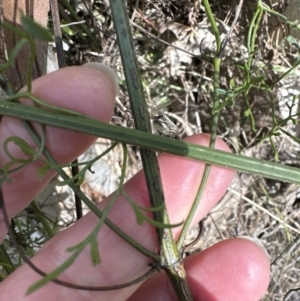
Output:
x=36 y=30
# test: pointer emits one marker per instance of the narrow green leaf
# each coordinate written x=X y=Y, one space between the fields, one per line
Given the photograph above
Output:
x=247 y=112
x=35 y=29
x=222 y=91
x=138 y=215
x=24 y=146
x=258 y=79
x=154 y=142
x=95 y=255
x=43 y=170
x=293 y=41
x=77 y=247
x=13 y=55
x=162 y=225
x=68 y=30
x=5 y=260
x=78 y=179
x=232 y=83
x=228 y=102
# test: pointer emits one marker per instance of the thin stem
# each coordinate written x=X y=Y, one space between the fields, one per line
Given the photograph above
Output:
x=95 y=209
x=157 y=143
x=215 y=118
x=57 y=281
x=62 y=64
x=30 y=64
x=170 y=256
x=37 y=211
x=213 y=24
x=5 y=260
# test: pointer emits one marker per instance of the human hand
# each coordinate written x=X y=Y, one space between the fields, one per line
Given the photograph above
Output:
x=234 y=269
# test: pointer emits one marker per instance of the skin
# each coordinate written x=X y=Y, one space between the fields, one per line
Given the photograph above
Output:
x=234 y=269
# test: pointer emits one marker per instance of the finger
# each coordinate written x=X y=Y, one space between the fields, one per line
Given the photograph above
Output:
x=120 y=262
x=234 y=269
x=90 y=90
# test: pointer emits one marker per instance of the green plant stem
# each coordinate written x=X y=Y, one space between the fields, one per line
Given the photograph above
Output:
x=251 y=40
x=39 y=102
x=30 y=64
x=89 y=203
x=283 y=18
x=5 y=260
x=213 y=24
x=251 y=33
x=61 y=64
x=82 y=196
x=286 y=73
x=215 y=118
x=37 y=211
x=157 y=143
x=90 y=240
x=170 y=256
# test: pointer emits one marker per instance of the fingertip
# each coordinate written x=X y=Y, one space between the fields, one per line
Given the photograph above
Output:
x=108 y=72
x=258 y=243
x=234 y=269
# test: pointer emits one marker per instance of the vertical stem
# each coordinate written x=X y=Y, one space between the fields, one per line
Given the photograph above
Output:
x=215 y=118
x=170 y=257
x=62 y=64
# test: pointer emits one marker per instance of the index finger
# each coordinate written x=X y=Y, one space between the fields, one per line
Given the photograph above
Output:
x=89 y=89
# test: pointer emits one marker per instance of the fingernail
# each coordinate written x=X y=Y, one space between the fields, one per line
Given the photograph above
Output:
x=107 y=71
x=257 y=242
